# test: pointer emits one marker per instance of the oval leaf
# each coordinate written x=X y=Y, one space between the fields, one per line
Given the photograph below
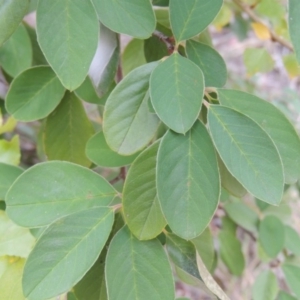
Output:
x=127 y=123
x=132 y=269
x=68 y=144
x=11 y=15
x=142 y=210
x=209 y=61
x=188 y=181
x=292 y=275
x=176 y=89
x=292 y=240
x=75 y=27
x=99 y=153
x=185 y=20
x=271 y=235
x=60 y=189
x=65 y=253
x=274 y=122
x=265 y=286
x=131 y=17
x=231 y=252
x=8 y=174
x=16 y=53
x=34 y=94
x=248 y=153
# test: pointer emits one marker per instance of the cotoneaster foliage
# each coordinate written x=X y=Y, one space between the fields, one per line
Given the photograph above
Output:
x=121 y=203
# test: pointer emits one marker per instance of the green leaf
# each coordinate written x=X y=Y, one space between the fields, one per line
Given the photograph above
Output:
x=163 y=17
x=228 y=182
x=209 y=280
x=16 y=53
x=242 y=215
x=92 y=285
x=285 y=296
x=205 y=247
x=176 y=89
x=209 y=61
x=258 y=60
x=292 y=240
x=11 y=15
x=87 y=92
x=142 y=210
x=132 y=269
x=34 y=94
x=60 y=189
x=293 y=19
x=292 y=275
x=248 y=153
x=68 y=144
x=38 y=57
x=14 y=240
x=105 y=63
x=133 y=56
x=231 y=252
x=11 y=281
x=265 y=286
x=274 y=122
x=132 y=17
x=8 y=174
x=10 y=151
x=74 y=25
x=188 y=181
x=74 y=242
x=184 y=16
x=100 y=154
x=271 y=235
x=128 y=125
x=155 y=49
x=183 y=254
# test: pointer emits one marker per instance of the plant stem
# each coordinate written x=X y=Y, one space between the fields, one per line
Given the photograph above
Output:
x=274 y=36
x=167 y=40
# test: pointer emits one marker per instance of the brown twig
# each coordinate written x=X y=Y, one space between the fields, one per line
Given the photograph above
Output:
x=169 y=41
x=121 y=176
x=275 y=37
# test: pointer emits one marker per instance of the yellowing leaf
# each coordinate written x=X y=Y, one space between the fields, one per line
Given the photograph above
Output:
x=261 y=31
x=10 y=151
x=291 y=65
x=223 y=18
x=258 y=60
